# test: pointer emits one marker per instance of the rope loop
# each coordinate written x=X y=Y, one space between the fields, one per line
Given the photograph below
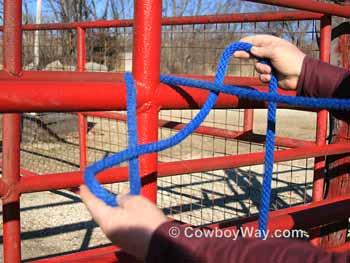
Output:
x=134 y=149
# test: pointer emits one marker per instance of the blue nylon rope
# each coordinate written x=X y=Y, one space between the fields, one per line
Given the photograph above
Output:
x=265 y=196
x=132 y=136
x=134 y=149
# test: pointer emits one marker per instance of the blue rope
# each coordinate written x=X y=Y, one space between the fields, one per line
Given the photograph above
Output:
x=317 y=103
x=132 y=135
x=269 y=158
x=134 y=150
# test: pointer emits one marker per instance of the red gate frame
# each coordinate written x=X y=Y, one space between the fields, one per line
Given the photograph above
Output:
x=57 y=91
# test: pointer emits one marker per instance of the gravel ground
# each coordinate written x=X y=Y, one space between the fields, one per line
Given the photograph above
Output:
x=56 y=222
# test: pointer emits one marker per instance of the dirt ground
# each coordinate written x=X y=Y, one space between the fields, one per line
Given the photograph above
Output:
x=56 y=222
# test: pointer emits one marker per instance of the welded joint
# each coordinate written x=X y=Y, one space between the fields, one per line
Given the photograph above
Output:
x=148 y=106
x=10 y=190
x=150 y=103
x=13 y=74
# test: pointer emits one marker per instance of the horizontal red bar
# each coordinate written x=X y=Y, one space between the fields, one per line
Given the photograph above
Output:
x=290 y=218
x=311 y=5
x=58 y=91
x=218 y=132
x=298 y=217
x=109 y=254
x=28 y=173
x=120 y=174
x=73 y=76
x=343 y=248
x=3 y=186
x=227 y=162
x=186 y=20
x=303 y=217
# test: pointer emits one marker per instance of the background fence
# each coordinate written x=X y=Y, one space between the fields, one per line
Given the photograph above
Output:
x=51 y=142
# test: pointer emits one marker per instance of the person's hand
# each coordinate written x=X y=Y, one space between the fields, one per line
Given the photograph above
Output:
x=130 y=225
x=286 y=58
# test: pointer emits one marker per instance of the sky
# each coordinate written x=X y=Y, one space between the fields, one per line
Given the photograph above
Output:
x=207 y=7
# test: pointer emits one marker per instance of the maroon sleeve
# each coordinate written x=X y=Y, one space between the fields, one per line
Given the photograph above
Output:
x=165 y=247
x=322 y=80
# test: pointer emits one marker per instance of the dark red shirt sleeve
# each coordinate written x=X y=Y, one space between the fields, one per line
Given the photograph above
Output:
x=322 y=80
x=165 y=248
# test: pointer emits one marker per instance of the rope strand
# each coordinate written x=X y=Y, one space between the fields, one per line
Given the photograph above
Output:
x=134 y=149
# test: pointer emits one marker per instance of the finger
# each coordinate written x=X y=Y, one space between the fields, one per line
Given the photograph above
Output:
x=241 y=54
x=262 y=52
x=259 y=40
x=97 y=208
x=262 y=68
x=265 y=77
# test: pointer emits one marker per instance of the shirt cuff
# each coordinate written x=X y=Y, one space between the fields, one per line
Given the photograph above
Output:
x=319 y=79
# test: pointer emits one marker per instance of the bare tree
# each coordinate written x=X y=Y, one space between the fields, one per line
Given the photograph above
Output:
x=72 y=10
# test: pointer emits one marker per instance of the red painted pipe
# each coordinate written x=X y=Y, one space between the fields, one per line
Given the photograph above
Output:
x=340 y=249
x=248 y=121
x=57 y=91
x=146 y=71
x=310 y=5
x=322 y=116
x=109 y=254
x=321 y=128
x=81 y=49
x=82 y=121
x=218 y=132
x=303 y=217
x=11 y=135
x=120 y=174
x=82 y=124
x=11 y=175
x=61 y=95
x=23 y=172
x=71 y=76
x=101 y=254
x=3 y=188
x=12 y=39
x=293 y=216
x=186 y=20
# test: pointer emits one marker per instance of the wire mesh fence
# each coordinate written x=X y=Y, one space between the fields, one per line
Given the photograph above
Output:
x=56 y=50
x=51 y=141
x=109 y=49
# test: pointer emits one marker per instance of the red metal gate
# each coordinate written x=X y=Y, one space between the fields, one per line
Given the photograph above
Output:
x=32 y=91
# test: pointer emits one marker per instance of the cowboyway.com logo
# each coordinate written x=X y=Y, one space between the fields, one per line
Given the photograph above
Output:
x=246 y=232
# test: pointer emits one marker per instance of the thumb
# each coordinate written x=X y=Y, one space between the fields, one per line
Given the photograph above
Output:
x=262 y=52
x=126 y=200
x=97 y=208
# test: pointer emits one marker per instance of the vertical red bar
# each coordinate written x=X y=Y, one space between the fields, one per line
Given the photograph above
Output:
x=11 y=135
x=146 y=71
x=338 y=171
x=81 y=49
x=11 y=176
x=248 y=121
x=82 y=119
x=321 y=129
x=82 y=123
x=12 y=39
